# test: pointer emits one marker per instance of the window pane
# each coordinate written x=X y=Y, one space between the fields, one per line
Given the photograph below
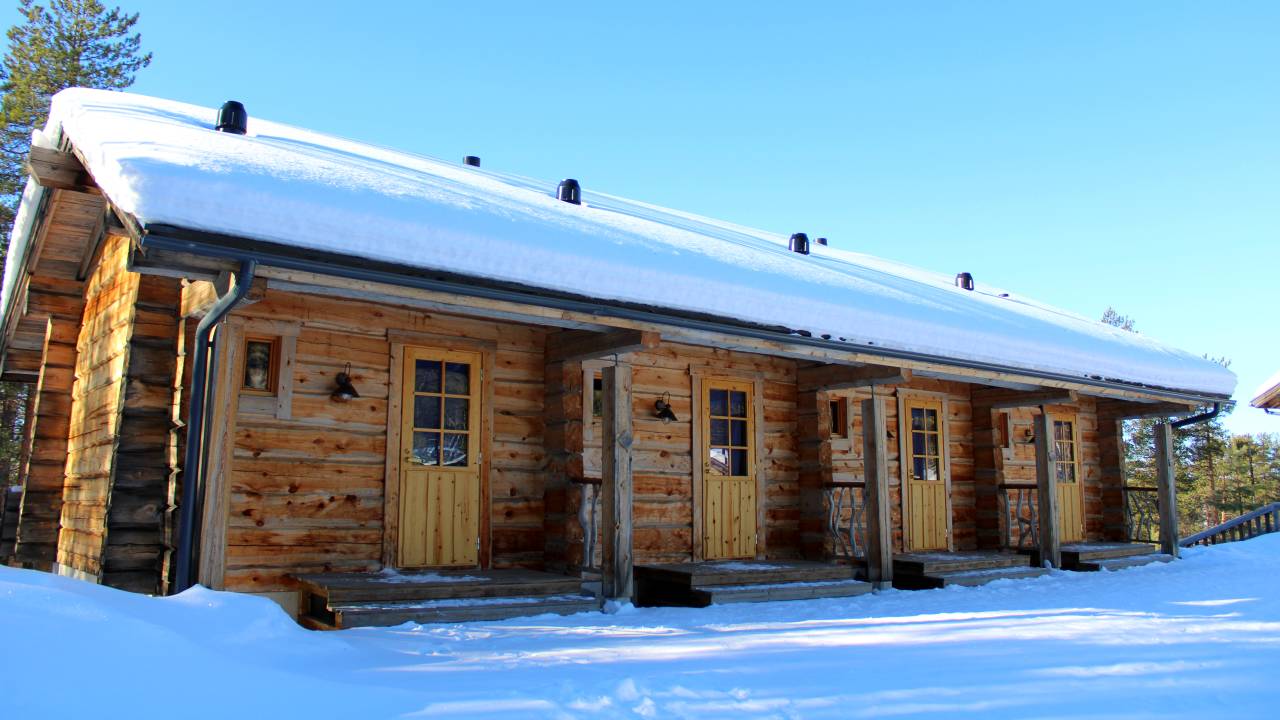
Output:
x=719 y=432
x=917 y=443
x=456 y=413
x=457 y=378
x=257 y=365
x=597 y=397
x=738 y=432
x=426 y=411
x=837 y=418
x=931 y=420
x=426 y=376
x=455 y=449
x=1060 y=472
x=931 y=469
x=719 y=402
x=426 y=448
x=917 y=419
x=737 y=403
x=1070 y=474
x=739 y=458
x=719 y=462
x=931 y=445
x=917 y=468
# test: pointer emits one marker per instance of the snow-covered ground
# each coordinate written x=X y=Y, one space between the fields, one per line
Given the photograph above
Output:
x=1198 y=638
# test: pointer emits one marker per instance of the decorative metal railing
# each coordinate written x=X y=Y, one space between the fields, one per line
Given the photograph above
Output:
x=1265 y=519
x=589 y=521
x=1020 y=516
x=1141 y=514
x=847 y=518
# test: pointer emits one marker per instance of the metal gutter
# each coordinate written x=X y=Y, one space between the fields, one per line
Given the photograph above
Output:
x=1195 y=419
x=222 y=247
x=202 y=388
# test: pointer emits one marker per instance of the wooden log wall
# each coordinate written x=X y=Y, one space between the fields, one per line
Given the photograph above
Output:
x=1111 y=479
x=98 y=399
x=45 y=454
x=307 y=493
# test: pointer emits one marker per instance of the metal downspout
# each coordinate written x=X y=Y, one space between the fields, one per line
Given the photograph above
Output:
x=1195 y=419
x=202 y=386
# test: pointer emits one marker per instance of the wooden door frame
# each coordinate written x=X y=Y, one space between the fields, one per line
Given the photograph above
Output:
x=905 y=396
x=700 y=378
x=1073 y=416
x=400 y=340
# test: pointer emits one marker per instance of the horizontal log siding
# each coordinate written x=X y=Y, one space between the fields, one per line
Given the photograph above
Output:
x=307 y=493
x=98 y=401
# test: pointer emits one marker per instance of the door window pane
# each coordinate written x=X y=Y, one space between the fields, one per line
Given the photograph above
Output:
x=426 y=376
x=738 y=433
x=719 y=461
x=917 y=443
x=917 y=468
x=455 y=449
x=426 y=448
x=457 y=378
x=931 y=445
x=456 y=413
x=739 y=463
x=737 y=403
x=426 y=411
x=931 y=420
x=719 y=402
x=931 y=468
x=917 y=419
x=719 y=431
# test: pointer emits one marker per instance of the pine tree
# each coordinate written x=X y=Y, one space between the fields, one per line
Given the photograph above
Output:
x=66 y=43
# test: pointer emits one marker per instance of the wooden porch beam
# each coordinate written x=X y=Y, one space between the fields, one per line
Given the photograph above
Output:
x=844 y=377
x=875 y=458
x=1125 y=410
x=616 y=564
x=60 y=171
x=1003 y=399
x=1047 y=491
x=1166 y=490
x=574 y=345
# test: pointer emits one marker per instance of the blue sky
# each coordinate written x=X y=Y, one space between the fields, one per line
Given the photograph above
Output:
x=1087 y=154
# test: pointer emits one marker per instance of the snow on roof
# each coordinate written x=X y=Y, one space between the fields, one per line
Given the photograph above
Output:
x=1268 y=393
x=161 y=161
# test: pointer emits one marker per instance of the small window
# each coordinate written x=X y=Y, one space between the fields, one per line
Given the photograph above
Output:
x=261 y=364
x=597 y=396
x=839 y=418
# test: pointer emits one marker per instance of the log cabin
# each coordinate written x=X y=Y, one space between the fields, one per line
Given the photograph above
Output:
x=378 y=387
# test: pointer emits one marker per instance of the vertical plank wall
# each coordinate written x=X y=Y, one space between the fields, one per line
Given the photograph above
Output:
x=307 y=493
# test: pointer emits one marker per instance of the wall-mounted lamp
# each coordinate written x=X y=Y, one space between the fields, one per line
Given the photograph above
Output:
x=662 y=408
x=345 y=391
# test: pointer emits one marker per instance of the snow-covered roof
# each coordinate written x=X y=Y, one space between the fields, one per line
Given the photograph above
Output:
x=161 y=162
x=1268 y=393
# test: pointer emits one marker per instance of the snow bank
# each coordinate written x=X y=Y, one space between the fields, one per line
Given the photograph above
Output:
x=1192 y=639
x=160 y=161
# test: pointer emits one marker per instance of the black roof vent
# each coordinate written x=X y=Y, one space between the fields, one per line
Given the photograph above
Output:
x=471 y=161
x=964 y=280
x=232 y=118
x=800 y=243
x=822 y=241
x=569 y=191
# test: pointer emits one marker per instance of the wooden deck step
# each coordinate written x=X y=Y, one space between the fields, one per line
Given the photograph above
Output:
x=1120 y=563
x=743 y=572
x=342 y=588
x=967 y=578
x=1075 y=556
x=768 y=592
x=452 y=610
x=944 y=562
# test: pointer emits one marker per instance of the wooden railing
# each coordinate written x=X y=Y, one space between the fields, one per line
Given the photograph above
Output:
x=1142 y=514
x=1020 y=514
x=1264 y=520
x=847 y=518
x=589 y=520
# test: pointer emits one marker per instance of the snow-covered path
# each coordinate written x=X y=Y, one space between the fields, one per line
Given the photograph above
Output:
x=1198 y=638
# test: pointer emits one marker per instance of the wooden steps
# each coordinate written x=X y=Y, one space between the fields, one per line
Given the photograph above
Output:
x=335 y=601
x=719 y=582
x=927 y=571
x=1089 y=557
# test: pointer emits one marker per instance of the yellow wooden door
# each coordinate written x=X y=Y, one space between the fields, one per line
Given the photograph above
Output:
x=440 y=501
x=927 y=526
x=1067 y=474
x=728 y=470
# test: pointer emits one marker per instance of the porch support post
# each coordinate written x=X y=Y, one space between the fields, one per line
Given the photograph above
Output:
x=1166 y=490
x=875 y=456
x=616 y=486
x=1047 y=491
